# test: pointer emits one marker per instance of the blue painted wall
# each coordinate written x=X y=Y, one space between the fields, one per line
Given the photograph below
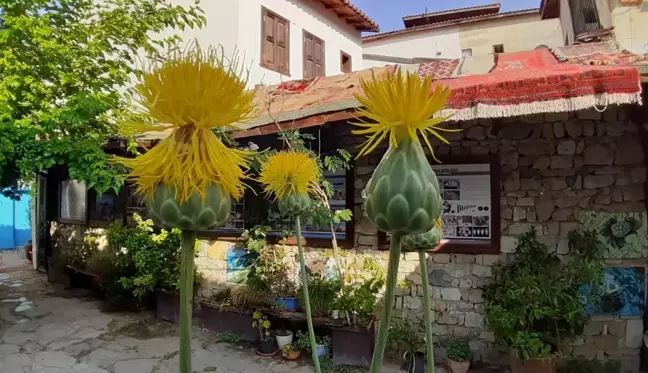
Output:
x=14 y=221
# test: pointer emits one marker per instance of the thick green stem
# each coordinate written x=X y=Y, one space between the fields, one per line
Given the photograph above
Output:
x=304 y=279
x=187 y=253
x=383 y=330
x=426 y=309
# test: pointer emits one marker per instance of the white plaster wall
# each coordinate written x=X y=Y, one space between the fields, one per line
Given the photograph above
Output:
x=435 y=43
x=309 y=15
x=631 y=27
x=519 y=33
x=221 y=28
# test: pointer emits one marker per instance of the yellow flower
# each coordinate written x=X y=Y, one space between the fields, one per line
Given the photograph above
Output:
x=288 y=172
x=196 y=88
x=193 y=90
x=401 y=107
x=439 y=226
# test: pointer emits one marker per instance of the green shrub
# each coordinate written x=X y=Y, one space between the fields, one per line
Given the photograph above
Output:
x=143 y=261
x=459 y=350
x=534 y=304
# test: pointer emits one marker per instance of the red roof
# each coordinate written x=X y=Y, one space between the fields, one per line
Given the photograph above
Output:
x=352 y=14
x=521 y=83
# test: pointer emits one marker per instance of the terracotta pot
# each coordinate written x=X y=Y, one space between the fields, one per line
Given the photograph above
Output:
x=458 y=366
x=532 y=365
x=293 y=355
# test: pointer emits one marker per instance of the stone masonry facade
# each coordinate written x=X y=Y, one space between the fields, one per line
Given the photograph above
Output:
x=552 y=166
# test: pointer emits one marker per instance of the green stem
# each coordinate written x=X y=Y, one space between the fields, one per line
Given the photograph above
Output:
x=304 y=279
x=187 y=253
x=383 y=330
x=426 y=309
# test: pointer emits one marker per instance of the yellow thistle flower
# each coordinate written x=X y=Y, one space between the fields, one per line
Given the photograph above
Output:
x=196 y=88
x=288 y=172
x=401 y=107
x=193 y=90
x=439 y=226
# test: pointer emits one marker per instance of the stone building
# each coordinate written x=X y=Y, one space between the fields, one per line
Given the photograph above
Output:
x=538 y=149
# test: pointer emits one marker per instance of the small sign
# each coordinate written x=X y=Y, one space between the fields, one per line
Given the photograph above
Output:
x=466 y=194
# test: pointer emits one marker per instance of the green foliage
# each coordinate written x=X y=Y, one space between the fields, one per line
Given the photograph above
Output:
x=287 y=350
x=459 y=350
x=360 y=291
x=534 y=304
x=262 y=324
x=62 y=80
x=589 y=366
x=404 y=336
x=303 y=342
x=319 y=214
x=143 y=261
x=80 y=253
x=228 y=337
x=322 y=293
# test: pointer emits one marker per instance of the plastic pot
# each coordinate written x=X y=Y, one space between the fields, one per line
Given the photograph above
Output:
x=321 y=350
x=283 y=340
x=287 y=303
x=266 y=348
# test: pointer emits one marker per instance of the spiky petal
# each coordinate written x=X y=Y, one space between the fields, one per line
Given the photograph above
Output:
x=289 y=173
x=401 y=107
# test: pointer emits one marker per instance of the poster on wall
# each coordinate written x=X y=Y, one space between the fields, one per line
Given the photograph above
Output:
x=239 y=262
x=623 y=293
x=466 y=193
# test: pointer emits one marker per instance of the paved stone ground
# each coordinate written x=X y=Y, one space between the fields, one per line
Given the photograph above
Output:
x=45 y=331
x=12 y=260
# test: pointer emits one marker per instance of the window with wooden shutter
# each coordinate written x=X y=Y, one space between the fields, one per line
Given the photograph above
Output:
x=345 y=63
x=275 y=42
x=313 y=49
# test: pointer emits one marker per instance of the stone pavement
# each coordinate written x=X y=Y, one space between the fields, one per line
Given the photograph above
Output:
x=44 y=331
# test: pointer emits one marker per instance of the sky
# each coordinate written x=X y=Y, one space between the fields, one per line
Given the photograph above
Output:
x=389 y=13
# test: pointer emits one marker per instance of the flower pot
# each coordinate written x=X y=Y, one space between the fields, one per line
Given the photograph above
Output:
x=266 y=348
x=321 y=350
x=288 y=304
x=532 y=365
x=283 y=340
x=353 y=345
x=458 y=366
x=293 y=355
x=416 y=363
x=220 y=320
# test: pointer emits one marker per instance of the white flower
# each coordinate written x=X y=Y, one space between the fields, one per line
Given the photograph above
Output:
x=123 y=250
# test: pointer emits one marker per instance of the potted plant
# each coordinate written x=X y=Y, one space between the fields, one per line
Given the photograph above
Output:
x=289 y=352
x=459 y=356
x=353 y=343
x=230 y=311
x=283 y=286
x=284 y=337
x=406 y=342
x=322 y=344
x=534 y=306
x=266 y=344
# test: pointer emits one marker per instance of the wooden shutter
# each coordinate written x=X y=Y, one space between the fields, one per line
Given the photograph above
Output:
x=275 y=42
x=268 y=41
x=314 y=56
x=281 y=45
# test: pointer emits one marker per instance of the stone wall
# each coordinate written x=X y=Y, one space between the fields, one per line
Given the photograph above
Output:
x=552 y=167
